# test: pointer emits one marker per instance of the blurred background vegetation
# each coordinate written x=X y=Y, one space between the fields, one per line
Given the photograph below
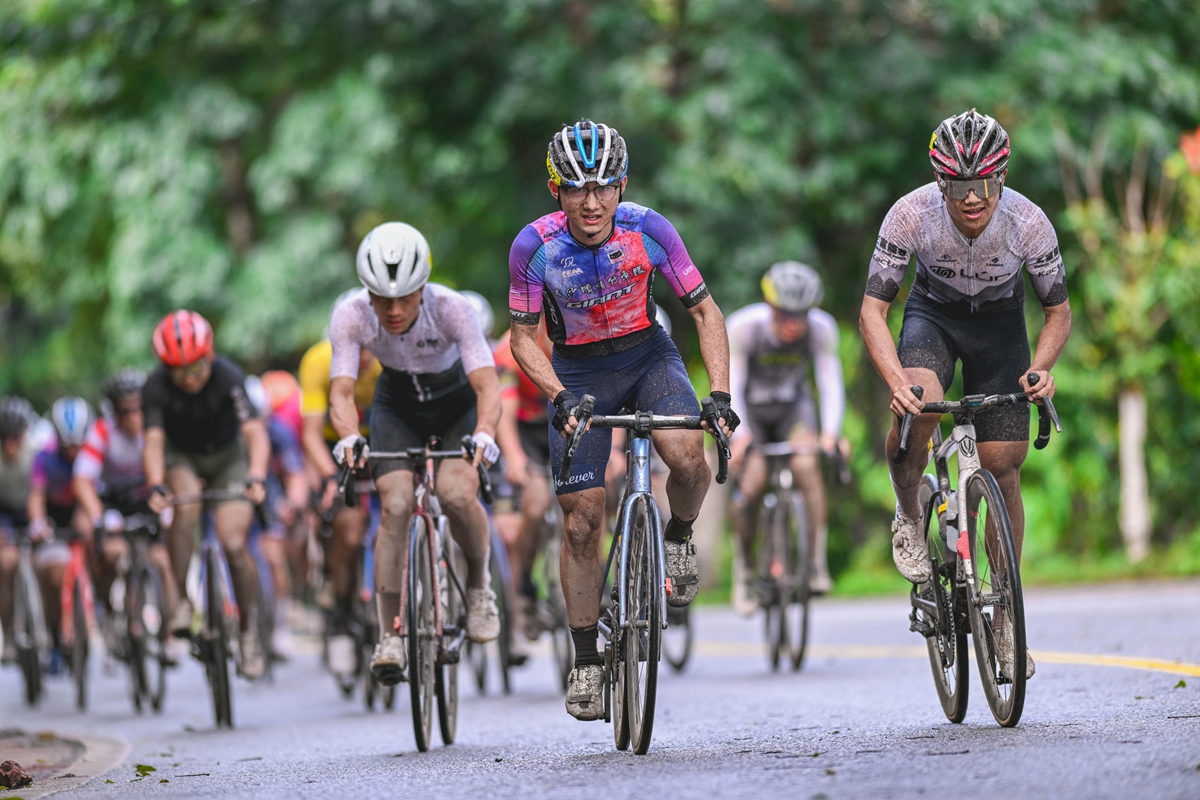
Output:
x=227 y=155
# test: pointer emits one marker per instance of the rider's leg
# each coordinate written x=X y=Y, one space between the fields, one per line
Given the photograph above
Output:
x=233 y=518
x=391 y=545
x=9 y=557
x=349 y=529
x=181 y=536
x=535 y=502
x=50 y=580
x=457 y=489
x=906 y=477
x=580 y=566
x=752 y=485
x=683 y=453
x=1004 y=460
x=806 y=472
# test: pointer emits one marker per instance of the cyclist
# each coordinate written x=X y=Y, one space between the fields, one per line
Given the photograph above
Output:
x=52 y=502
x=772 y=346
x=439 y=380
x=349 y=523
x=590 y=266
x=202 y=431
x=971 y=236
x=525 y=443
x=287 y=498
x=16 y=464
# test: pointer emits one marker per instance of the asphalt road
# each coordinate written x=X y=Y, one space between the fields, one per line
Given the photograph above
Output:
x=1106 y=716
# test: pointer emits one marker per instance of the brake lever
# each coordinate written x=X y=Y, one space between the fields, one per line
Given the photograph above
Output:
x=583 y=415
x=709 y=414
x=485 y=480
x=905 y=428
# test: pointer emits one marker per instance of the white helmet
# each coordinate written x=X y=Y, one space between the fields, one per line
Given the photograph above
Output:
x=792 y=287
x=393 y=260
x=663 y=319
x=483 y=310
x=257 y=395
x=71 y=417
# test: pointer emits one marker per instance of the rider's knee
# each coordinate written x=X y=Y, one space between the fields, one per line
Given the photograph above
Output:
x=457 y=497
x=582 y=526
x=691 y=467
x=9 y=556
x=395 y=506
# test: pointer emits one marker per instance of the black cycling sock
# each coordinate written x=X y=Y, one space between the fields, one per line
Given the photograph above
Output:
x=678 y=530
x=528 y=587
x=586 y=654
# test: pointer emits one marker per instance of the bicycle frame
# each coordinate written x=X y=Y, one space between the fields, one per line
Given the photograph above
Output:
x=76 y=571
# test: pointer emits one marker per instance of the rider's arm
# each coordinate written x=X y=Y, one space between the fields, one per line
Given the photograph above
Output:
x=88 y=467
x=153 y=458
x=1048 y=276
x=487 y=399
x=533 y=359
x=714 y=343
x=35 y=503
x=827 y=367
x=259 y=445
x=343 y=414
x=1050 y=344
x=507 y=435
x=872 y=322
x=739 y=368
x=88 y=497
x=312 y=434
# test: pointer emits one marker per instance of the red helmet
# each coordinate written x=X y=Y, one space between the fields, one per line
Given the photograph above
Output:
x=182 y=338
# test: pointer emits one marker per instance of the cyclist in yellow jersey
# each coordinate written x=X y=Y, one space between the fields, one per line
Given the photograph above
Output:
x=349 y=524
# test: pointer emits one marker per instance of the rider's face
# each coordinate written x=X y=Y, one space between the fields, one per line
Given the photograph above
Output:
x=11 y=447
x=194 y=377
x=973 y=213
x=788 y=328
x=129 y=414
x=590 y=217
x=397 y=314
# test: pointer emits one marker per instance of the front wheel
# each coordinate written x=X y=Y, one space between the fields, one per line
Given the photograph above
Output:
x=27 y=632
x=677 y=639
x=798 y=594
x=79 y=643
x=147 y=635
x=215 y=641
x=945 y=640
x=772 y=570
x=643 y=627
x=994 y=598
x=447 y=674
x=421 y=628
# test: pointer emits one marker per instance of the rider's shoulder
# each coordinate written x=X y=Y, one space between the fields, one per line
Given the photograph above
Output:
x=822 y=322
x=753 y=315
x=919 y=203
x=547 y=228
x=1020 y=209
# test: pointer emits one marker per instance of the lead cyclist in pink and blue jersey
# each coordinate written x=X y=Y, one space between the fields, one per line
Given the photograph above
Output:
x=590 y=268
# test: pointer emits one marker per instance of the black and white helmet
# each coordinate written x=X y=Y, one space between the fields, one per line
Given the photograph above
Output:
x=16 y=415
x=971 y=145
x=587 y=152
x=123 y=383
x=792 y=287
x=71 y=417
x=393 y=260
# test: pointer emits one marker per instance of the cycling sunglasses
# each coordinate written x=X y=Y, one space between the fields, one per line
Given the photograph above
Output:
x=984 y=188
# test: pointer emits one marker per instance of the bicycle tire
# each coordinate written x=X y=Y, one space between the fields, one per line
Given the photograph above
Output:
x=216 y=640
x=368 y=635
x=771 y=570
x=560 y=633
x=26 y=610
x=997 y=579
x=948 y=646
x=644 y=606
x=798 y=596
x=616 y=687
x=503 y=641
x=446 y=675
x=264 y=622
x=79 y=644
x=148 y=635
x=388 y=695
x=477 y=656
x=677 y=646
x=420 y=627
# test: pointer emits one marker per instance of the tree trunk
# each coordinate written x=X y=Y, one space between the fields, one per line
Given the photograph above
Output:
x=1135 y=491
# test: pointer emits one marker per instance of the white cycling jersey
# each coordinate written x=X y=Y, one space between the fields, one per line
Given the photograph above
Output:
x=764 y=371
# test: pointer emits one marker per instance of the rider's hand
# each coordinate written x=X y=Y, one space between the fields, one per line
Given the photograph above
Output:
x=486 y=449
x=515 y=468
x=343 y=451
x=828 y=443
x=729 y=418
x=159 y=499
x=256 y=490
x=330 y=492
x=564 y=420
x=738 y=447
x=904 y=401
x=39 y=530
x=1045 y=386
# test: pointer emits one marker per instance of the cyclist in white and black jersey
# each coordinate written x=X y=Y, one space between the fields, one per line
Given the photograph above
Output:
x=773 y=345
x=971 y=237
x=438 y=379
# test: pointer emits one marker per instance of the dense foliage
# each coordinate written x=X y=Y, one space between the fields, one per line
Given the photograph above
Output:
x=227 y=155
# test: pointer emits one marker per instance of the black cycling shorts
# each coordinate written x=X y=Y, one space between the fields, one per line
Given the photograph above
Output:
x=398 y=423
x=775 y=422
x=993 y=348
x=535 y=441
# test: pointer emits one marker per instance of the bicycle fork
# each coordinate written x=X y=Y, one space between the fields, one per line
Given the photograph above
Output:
x=963 y=439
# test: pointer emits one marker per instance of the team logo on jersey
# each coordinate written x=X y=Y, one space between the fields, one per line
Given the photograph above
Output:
x=616 y=255
x=942 y=272
x=571 y=273
x=569 y=261
x=427 y=342
x=946 y=258
x=602 y=299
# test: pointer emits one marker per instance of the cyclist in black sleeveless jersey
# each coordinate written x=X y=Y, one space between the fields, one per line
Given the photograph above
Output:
x=971 y=236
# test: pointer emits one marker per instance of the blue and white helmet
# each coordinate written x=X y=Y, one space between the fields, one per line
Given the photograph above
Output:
x=587 y=152
x=71 y=417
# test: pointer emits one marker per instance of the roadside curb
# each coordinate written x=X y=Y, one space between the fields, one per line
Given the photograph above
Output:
x=100 y=754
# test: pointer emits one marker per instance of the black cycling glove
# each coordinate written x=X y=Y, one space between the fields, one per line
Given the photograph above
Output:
x=722 y=401
x=565 y=404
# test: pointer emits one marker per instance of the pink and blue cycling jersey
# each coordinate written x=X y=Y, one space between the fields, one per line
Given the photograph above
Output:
x=598 y=300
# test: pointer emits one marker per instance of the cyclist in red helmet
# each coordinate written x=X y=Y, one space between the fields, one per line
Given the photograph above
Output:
x=202 y=431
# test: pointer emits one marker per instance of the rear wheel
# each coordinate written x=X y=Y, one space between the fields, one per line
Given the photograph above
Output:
x=421 y=627
x=560 y=633
x=147 y=636
x=771 y=571
x=79 y=643
x=796 y=599
x=677 y=638
x=216 y=638
x=996 y=597
x=643 y=636
x=447 y=674
x=504 y=640
x=945 y=639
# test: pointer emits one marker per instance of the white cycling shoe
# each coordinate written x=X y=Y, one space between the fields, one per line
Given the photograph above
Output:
x=585 y=693
x=683 y=575
x=1006 y=655
x=390 y=660
x=483 y=618
x=342 y=660
x=909 y=550
x=745 y=599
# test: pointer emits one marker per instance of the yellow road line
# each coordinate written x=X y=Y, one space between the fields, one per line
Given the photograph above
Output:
x=864 y=651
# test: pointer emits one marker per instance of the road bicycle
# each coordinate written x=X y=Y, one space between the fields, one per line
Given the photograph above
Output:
x=78 y=612
x=500 y=575
x=433 y=607
x=976 y=578
x=785 y=567
x=633 y=622
x=551 y=606
x=30 y=635
x=138 y=609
